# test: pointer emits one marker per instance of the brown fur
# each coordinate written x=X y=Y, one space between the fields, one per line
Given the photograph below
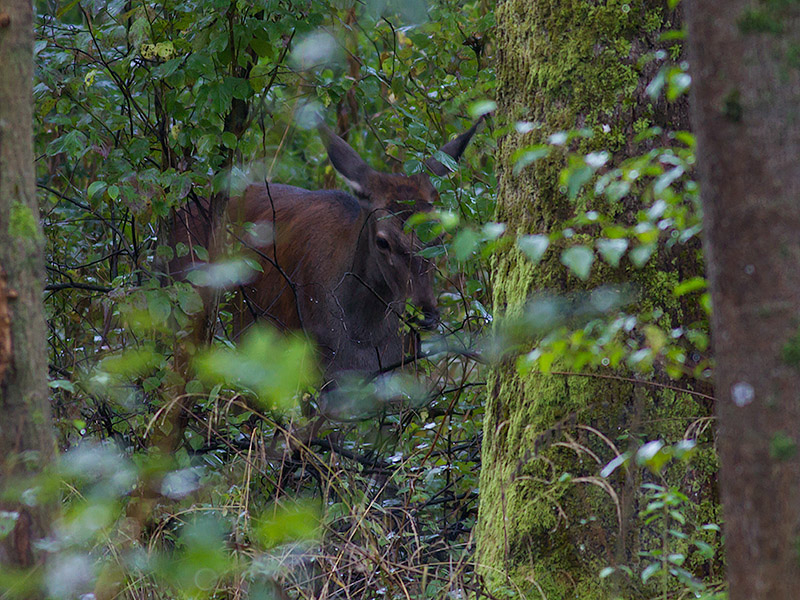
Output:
x=336 y=266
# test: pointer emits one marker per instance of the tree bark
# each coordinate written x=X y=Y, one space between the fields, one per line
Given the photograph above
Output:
x=26 y=436
x=566 y=65
x=746 y=109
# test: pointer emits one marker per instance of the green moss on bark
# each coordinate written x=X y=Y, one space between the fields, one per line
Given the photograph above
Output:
x=545 y=528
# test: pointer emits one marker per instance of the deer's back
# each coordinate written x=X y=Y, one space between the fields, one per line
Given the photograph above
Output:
x=305 y=243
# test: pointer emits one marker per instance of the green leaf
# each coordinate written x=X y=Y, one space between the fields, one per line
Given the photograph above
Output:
x=615 y=231
x=684 y=449
x=194 y=386
x=447 y=218
x=158 y=305
x=527 y=156
x=655 y=86
x=534 y=246
x=690 y=285
x=62 y=384
x=274 y=367
x=595 y=160
x=95 y=188
x=617 y=190
x=650 y=570
x=579 y=260
x=165 y=252
x=678 y=516
x=239 y=87
x=200 y=558
x=432 y=252
x=612 y=250
x=207 y=143
x=545 y=361
x=201 y=253
x=447 y=160
x=8 y=520
x=189 y=300
x=612 y=466
x=199 y=65
x=168 y=68
x=151 y=384
x=705 y=302
x=685 y=138
x=132 y=362
x=492 y=230
x=575 y=178
x=649 y=450
x=261 y=41
x=481 y=107
x=253 y=264
x=465 y=243
x=676 y=558
x=653 y=455
x=287 y=524
x=228 y=140
x=678 y=84
x=641 y=254
x=706 y=550
x=75 y=143
x=139 y=148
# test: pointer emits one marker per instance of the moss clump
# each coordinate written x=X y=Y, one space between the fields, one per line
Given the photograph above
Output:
x=790 y=353
x=22 y=222
x=781 y=446
x=732 y=106
x=758 y=20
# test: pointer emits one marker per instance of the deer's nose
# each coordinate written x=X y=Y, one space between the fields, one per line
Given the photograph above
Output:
x=430 y=318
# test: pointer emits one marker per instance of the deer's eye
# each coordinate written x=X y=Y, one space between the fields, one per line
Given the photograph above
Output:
x=382 y=243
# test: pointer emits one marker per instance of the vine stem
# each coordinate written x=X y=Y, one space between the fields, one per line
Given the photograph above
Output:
x=664 y=386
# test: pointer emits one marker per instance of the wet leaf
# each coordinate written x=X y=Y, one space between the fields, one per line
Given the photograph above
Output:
x=579 y=260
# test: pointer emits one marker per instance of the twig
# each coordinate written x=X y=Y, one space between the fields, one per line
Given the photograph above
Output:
x=54 y=287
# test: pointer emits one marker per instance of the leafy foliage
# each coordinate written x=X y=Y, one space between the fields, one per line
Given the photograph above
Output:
x=144 y=107
x=679 y=544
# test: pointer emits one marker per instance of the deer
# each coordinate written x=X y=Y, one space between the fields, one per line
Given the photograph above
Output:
x=338 y=266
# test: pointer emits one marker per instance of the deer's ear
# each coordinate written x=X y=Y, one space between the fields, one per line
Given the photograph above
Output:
x=346 y=161
x=454 y=149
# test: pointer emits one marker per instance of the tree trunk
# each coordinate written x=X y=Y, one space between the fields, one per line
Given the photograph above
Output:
x=746 y=99
x=569 y=65
x=26 y=436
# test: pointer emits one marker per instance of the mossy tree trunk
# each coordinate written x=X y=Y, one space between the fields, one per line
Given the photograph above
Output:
x=747 y=114
x=575 y=64
x=26 y=435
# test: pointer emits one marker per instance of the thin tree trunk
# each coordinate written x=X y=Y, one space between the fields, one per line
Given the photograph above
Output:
x=26 y=435
x=746 y=110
